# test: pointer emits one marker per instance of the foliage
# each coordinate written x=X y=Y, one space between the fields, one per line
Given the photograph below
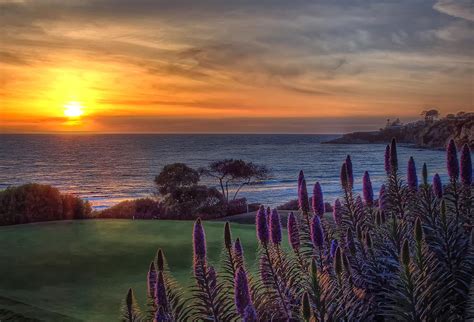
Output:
x=294 y=205
x=183 y=198
x=175 y=176
x=430 y=115
x=35 y=202
x=190 y=202
x=236 y=172
x=237 y=206
x=130 y=310
x=181 y=195
x=409 y=257
x=144 y=208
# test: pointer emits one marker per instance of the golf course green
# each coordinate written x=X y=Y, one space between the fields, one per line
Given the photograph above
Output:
x=81 y=270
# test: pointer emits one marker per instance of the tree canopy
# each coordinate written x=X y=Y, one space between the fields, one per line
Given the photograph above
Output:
x=176 y=175
x=235 y=172
x=430 y=115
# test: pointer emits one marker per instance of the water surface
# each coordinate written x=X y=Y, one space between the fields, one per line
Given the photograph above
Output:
x=106 y=169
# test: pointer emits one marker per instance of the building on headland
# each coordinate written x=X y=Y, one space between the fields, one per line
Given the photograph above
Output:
x=397 y=124
x=431 y=131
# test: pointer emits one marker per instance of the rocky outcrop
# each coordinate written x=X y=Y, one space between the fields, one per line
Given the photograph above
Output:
x=422 y=134
x=438 y=134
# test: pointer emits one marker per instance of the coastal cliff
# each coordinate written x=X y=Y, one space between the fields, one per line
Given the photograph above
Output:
x=434 y=134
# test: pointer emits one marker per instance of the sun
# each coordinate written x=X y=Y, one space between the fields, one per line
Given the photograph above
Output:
x=73 y=109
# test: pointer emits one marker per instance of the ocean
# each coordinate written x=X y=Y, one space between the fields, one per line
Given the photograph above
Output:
x=107 y=169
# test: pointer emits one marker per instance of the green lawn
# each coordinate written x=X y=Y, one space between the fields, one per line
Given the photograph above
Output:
x=82 y=269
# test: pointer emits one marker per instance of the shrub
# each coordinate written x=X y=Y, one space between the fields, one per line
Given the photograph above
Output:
x=189 y=202
x=289 y=205
x=293 y=205
x=237 y=206
x=145 y=208
x=253 y=206
x=409 y=257
x=75 y=208
x=35 y=202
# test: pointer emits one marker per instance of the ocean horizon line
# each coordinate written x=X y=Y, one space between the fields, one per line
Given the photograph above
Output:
x=166 y=133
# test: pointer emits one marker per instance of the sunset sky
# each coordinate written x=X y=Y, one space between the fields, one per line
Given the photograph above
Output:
x=253 y=66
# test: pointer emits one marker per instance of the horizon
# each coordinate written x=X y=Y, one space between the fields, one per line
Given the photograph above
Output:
x=102 y=66
x=328 y=126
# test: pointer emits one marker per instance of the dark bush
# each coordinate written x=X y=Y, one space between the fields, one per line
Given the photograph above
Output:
x=289 y=205
x=35 y=202
x=237 y=206
x=253 y=206
x=327 y=207
x=293 y=205
x=145 y=208
x=189 y=202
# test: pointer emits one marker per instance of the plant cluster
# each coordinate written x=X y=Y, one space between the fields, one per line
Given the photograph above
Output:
x=407 y=257
x=183 y=197
x=36 y=202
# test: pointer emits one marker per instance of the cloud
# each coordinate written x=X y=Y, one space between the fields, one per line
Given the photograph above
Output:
x=295 y=58
x=12 y=58
x=456 y=8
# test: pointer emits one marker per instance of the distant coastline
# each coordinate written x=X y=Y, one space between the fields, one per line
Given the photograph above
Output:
x=428 y=133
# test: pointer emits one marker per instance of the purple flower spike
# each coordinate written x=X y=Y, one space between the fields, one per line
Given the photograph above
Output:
x=161 y=316
x=293 y=232
x=151 y=280
x=466 y=165
x=382 y=198
x=303 y=200
x=387 y=159
x=262 y=225
x=238 y=250
x=160 y=295
x=437 y=186
x=344 y=180
x=412 y=178
x=367 y=190
x=337 y=212
x=452 y=161
x=318 y=201
x=393 y=156
x=212 y=277
x=334 y=245
x=275 y=227
x=242 y=292
x=300 y=180
x=317 y=234
x=350 y=173
x=249 y=315
x=199 y=241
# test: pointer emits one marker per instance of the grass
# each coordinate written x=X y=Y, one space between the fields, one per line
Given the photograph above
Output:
x=82 y=269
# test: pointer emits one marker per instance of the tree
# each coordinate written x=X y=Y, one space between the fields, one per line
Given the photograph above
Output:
x=430 y=115
x=182 y=196
x=174 y=176
x=237 y=172
x=189 y=202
